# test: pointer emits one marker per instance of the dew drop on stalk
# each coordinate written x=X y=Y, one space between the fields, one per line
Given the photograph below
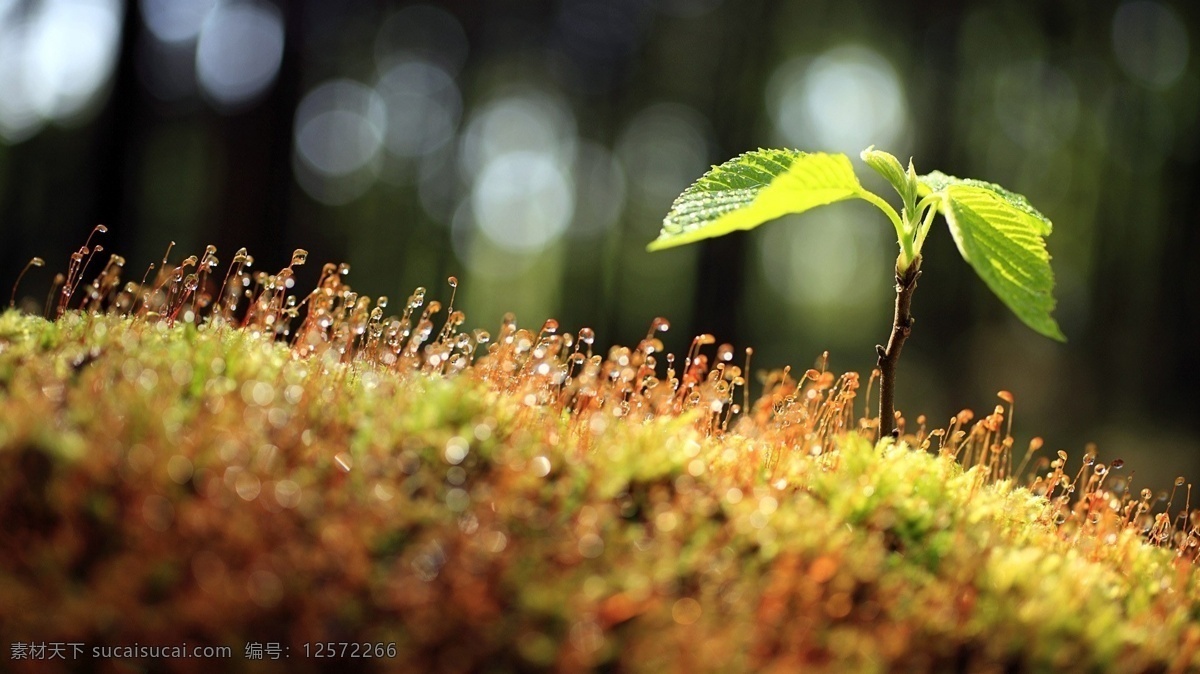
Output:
x=550 y=326
x=300 y=256
x=587 y=336
x=453 y=281
x=1179 y=481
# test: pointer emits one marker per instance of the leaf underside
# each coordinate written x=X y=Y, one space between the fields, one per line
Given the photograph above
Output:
x=1002 y=237
x=754 y=188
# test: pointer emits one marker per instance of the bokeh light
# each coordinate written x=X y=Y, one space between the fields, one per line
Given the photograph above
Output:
x=663 y=149
x=599 y=191
x=339 y=133
x=425 y=33
x=55 y=58
x=1037 y=105
x=829 y=259
x=517 y=154
x=523 y=200
x=423 y=107
x=175 y=20
x=239 y=52
x=844 y=100
x=532 y=121
x=1150 y=42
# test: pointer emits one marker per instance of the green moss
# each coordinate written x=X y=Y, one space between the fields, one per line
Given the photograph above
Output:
x=204 y=484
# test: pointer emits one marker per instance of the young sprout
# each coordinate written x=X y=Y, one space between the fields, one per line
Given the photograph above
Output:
x=997 y=232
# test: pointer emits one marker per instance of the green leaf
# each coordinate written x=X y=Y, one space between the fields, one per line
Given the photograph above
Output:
x=753 y=188
x=886 y=165
x=938 y=181
x=1002 y=237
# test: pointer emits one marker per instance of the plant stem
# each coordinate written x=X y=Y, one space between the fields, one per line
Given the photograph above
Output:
x=906 y=284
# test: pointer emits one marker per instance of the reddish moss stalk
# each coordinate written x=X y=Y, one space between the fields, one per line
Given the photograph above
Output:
x=906 y=284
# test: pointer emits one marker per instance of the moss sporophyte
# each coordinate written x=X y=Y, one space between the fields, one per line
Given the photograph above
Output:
x=998 y=233
x=190 y=458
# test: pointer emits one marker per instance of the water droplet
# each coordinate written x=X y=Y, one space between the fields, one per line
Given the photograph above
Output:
x=686 y=611
x=1117 y=464
x=453 y=281
x=456 y=450
x=1179 y=481
x=1005 y=396
x=591 y=545
x=300 y=256
x=247 y=485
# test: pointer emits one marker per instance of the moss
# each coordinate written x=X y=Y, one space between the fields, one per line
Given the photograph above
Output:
x=207 y=484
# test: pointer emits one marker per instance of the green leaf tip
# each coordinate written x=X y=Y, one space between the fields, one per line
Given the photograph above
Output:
x=1002 y=237
x=754 y=188
x=886 y=165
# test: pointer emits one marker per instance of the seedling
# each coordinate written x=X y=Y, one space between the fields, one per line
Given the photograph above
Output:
x=997 y=232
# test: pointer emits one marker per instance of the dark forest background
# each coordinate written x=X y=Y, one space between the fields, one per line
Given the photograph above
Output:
x=531 y=148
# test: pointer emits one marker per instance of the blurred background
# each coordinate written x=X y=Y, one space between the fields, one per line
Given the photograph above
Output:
x=532 y=147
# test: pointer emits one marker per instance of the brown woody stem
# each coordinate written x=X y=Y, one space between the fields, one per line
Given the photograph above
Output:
x=906 y=283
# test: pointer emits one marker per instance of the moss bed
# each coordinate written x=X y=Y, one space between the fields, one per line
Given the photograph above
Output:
x=519 y=504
